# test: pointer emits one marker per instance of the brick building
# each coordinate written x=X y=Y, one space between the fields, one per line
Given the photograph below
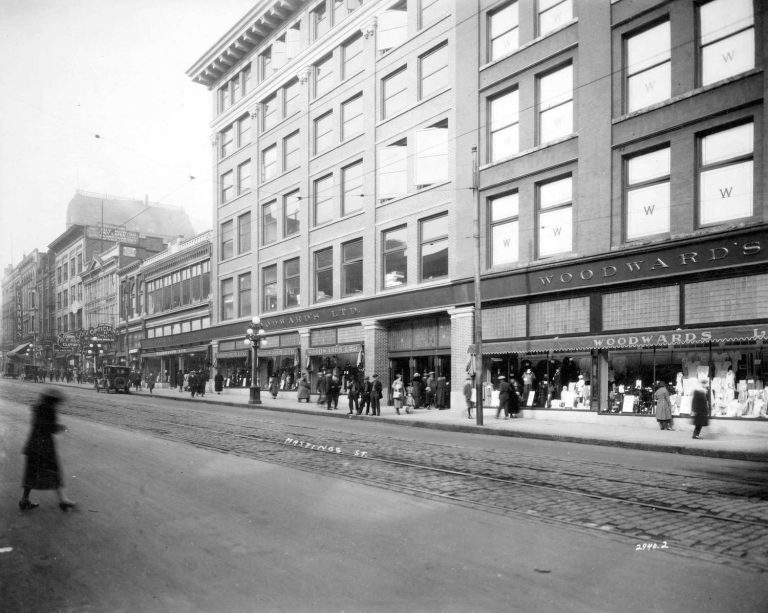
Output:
x=619 y=167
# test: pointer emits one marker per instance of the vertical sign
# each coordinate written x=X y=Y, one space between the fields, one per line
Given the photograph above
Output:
x=19 y=314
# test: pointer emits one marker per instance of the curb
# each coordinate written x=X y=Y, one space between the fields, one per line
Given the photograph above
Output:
x=725 y=454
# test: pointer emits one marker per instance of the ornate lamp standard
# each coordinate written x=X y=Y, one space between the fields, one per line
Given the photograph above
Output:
x=253 y=336
x=94 y=351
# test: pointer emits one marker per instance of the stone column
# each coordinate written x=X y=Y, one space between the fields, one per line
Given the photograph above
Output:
x=462 y=336
x=376 y=352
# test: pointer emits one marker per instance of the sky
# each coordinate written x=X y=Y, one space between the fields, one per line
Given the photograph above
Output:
x=74 y=69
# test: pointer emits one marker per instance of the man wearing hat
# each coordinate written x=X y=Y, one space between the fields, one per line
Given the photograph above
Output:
x=468 y=395
x=505 y=390
x=430 y=391
x=376 y=390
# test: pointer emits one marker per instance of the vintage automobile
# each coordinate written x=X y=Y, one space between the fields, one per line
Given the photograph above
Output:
x=31 y=373
x=114 y=378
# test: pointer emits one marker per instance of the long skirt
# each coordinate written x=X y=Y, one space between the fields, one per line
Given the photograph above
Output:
x=42 y=468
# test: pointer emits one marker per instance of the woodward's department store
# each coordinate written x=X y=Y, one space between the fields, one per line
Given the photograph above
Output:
x=587 y=337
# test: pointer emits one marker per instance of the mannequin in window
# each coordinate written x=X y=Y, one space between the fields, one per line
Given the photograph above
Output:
x=529 y=382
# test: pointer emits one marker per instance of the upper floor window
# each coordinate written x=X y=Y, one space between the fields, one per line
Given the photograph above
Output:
x=503 y=213
x=503 y=31
x=227 y=186
x=352 y=188
x=291 y=283
x=323 y=199
x=269 y=163
x=433 y=71
x=434 y=247
x=291 y=211
x=392 y=27
x=352 y=117
x=227 y=141
x=352 y=268
x=726 y=38
x=291 y=151
x=244 y=177
x=324 y=78
x=726 y=175
x=227 y=240
x=269 y=287
x=324 y=274
x=352 y=59
x=269 y=117
x=431 y=160
x=291 y=100
x=556 y=104
x=234 y=89
x=430 y=11
x=324 y=132
x=555 y=200
x=393 y=170
x=244 y=233
x=244 y=294
x=269 y=223
x=321 y=22
x=244 y=130
x=227 y=299
x=649 y=67
x=394 y=91
x=553 y=14
x=504 y=125
x=648 y=195
x=395 y=257
x=265 y=60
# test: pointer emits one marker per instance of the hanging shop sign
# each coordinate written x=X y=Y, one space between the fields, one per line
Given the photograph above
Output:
x=335 y=349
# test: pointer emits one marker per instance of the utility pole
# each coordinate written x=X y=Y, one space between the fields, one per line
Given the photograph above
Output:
x=478 y=298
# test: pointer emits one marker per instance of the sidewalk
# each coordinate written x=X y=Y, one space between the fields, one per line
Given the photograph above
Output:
x=616 y=431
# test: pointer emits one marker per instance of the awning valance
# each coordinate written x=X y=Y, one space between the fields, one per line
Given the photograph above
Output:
x=335 y=349
x=279 y=352
x=631 y=340
x=235 y=353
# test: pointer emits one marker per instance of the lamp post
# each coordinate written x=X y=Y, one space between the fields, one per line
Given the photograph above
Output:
x=94 y=351
x=253 y=336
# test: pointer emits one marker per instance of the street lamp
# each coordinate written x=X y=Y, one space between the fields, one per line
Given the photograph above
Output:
x=94 y=351
x=253 y=336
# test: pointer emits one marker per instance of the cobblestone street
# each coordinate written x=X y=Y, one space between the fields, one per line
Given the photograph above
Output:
x=696 y=513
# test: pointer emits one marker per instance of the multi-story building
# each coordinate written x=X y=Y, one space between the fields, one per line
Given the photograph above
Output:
x=617 y=148
x=22 y=311
x=165 y=310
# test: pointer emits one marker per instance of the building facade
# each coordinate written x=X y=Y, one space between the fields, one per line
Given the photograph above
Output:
x=611 y=154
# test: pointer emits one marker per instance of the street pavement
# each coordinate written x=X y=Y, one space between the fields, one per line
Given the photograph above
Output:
x=630 y=431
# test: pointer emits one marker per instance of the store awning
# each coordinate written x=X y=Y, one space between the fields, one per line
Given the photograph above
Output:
x=16 y=351
x=631 y=340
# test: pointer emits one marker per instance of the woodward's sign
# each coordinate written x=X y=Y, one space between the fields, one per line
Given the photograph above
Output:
x=667 y=262
x=681 y=337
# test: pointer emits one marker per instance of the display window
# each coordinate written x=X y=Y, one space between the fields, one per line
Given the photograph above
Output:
x=734 y=376
x=544 y=381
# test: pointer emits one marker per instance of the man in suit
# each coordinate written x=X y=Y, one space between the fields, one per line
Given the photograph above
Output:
x=376 y=393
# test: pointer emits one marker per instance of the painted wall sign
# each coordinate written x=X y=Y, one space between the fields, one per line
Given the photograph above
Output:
x=117 y=234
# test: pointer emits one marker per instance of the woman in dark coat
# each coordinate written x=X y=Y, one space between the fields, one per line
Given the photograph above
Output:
x=699 y=409
x=274 y=386
x=218 y=382
x=42 y=468
x=663 y=406
x=417 y=391
x=441 y=393
x=303 y=389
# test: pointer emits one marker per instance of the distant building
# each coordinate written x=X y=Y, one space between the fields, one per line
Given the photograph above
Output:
x=618 y=180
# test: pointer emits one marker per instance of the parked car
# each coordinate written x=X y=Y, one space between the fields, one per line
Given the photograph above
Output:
x=114 y=378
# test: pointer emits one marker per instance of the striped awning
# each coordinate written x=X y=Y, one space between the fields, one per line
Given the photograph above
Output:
x=631 y=340
x=18 y=350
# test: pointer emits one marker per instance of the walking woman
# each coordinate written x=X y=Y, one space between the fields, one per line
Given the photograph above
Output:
x=663 y=406
x=42 y=468
x=699 y=408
